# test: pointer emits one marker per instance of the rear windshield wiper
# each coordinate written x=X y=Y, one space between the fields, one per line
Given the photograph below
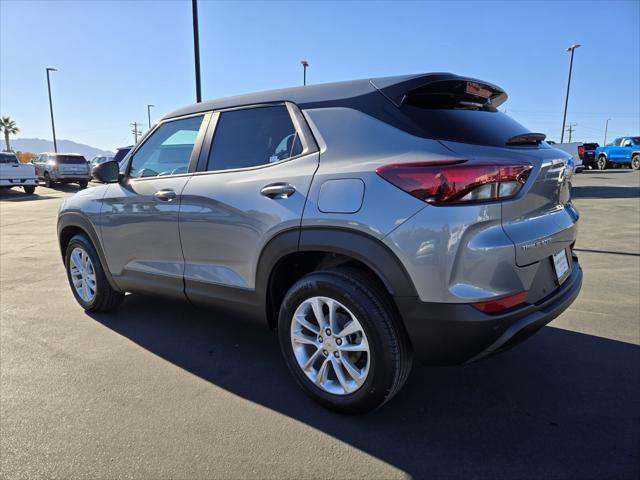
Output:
x=527 y=139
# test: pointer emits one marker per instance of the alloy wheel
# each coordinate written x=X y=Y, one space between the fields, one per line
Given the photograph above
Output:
x=83 y=274
x=330 y=345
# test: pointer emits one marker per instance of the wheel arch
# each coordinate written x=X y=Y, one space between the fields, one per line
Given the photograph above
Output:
x=71 y=224
x=294 y=253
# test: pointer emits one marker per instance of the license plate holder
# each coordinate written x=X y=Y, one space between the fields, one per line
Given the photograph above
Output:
x=561 y=265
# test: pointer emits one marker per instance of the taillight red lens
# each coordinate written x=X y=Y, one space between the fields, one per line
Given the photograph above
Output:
x=457 y=181
x=496 y=306
x=581 y=152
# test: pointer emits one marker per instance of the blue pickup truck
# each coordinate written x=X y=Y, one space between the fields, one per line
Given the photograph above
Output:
x=622 y=151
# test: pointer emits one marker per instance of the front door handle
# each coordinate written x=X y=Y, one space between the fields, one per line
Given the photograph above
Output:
x=165 y=195
x=278 y=190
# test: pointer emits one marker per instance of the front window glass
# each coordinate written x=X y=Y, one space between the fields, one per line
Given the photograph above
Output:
x=168 y=150
x=252 y=137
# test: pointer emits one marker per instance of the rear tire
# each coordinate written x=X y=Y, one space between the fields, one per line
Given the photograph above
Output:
x=359 y=300
x=602 y=163
x=83 y=184
x=635 y=162
x=84 y=269
x=29 y=189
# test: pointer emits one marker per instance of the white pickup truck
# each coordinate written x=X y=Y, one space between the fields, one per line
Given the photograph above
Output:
x=16 y=174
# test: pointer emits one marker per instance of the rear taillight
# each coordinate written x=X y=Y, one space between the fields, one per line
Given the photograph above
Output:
x=457 y=181
x=581 y=152
x=497 y=306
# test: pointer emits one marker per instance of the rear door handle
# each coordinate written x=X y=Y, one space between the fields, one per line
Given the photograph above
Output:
x=278 y=190
x=165 y=195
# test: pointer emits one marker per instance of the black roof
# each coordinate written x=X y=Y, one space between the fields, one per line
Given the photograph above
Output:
x=333 y=94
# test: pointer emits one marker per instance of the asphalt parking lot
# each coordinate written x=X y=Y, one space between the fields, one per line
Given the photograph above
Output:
x=161 y=389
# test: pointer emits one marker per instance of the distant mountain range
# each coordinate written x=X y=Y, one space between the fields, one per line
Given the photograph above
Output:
x=38 y=145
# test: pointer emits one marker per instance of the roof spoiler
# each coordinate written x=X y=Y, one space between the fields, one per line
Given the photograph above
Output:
x=469 y=89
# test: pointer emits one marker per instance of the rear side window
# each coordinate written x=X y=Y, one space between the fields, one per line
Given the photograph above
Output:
x=70 y=159
x=168 y=150
x=252 y=137
x=121 y=153
x=8 y=158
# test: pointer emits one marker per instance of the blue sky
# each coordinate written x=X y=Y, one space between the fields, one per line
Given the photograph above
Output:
x=115 y=57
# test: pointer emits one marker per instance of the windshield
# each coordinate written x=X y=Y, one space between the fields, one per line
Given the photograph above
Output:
x=8 y=158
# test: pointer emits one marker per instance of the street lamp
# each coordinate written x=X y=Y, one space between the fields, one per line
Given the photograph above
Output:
x=196 y=48
x=149 y=114
x=53 y=125
x=304 y=64
x=571 y=49
x=606 y=127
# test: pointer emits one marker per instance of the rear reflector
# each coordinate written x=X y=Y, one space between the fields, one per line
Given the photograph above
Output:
x=581 y=152
x=457 y=181
x=496 y=306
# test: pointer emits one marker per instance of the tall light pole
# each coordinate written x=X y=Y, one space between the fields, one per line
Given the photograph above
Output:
x=53 y=125
x=149 y=114
x=304 y=64
x=196 y=48
x=606 y=127
x=571 y=49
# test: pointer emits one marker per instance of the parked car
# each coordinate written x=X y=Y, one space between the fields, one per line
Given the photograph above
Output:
x=587 y=153
x=622 y=151
x=121 y=154
x=16 y=174
x=97 y=160
x=63 y=168
x=368 y=221
x=572 y=149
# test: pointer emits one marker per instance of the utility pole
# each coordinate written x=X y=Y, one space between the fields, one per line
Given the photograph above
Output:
x=196 y=48
x=571 y=128
x=304 y=64
x=136 y=131
x=606 y=127
x=571 y=49
x=149 y=114
x=53 y=125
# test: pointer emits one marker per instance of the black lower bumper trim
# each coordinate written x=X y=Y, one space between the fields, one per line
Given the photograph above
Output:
x=450 y=334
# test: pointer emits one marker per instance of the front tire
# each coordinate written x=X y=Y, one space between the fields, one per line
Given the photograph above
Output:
x=83 y=184
x=86 y=277
x=635 y=162
x=343 y=341
x=602 y=163
x=47 y=180
x=29 y=189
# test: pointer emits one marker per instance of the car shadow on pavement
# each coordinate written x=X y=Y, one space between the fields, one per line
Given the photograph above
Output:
x=17 y=194
x=606 y=172
x=561 y=405
x=605 y=192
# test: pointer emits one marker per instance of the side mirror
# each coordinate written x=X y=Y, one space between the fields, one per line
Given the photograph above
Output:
x=107 y=172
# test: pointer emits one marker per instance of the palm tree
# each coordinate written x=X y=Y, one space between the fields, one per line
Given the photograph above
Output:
x=9 y=127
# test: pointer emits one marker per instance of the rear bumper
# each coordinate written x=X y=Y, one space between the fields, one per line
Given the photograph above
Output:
x=18 y=182
x=449 y=334
x=71 y=178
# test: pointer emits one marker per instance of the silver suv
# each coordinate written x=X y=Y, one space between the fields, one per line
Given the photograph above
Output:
x=369 y=222
x=55 y=168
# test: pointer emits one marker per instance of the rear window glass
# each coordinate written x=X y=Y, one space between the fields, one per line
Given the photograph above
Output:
x=8 y=158
x=480 y=127
x=121 y=153
x=70 y=159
